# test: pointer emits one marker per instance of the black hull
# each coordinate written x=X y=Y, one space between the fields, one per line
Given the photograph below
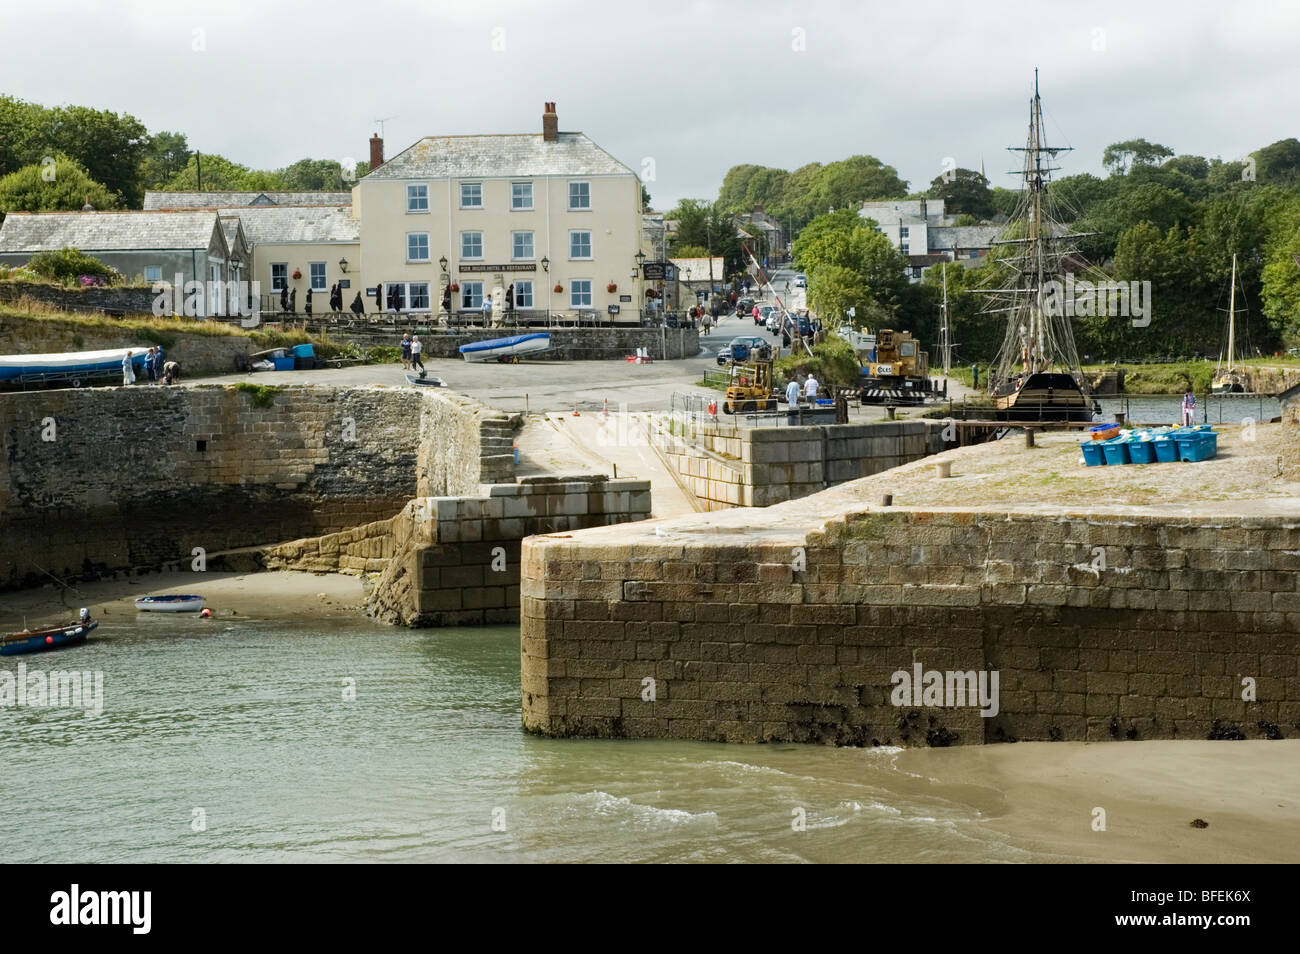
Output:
x=1045 y=397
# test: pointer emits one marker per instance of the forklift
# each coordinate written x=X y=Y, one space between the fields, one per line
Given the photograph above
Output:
x=749 y=388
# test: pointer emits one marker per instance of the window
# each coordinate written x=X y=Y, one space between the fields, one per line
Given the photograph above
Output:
x=317 y=272
x=521 y=245
x=902 y=231
x=417 y=296
x=153 y=273
x=417 y=198
x=471 y=244
x=524 y=294
x=903 y=248
x=417 y=246
x=579 y=195
x=471 y=195
x=471 y=294
x=279 y=275
x=580 y=244
x=916 y=272
x=521 y=196
x=580 y=293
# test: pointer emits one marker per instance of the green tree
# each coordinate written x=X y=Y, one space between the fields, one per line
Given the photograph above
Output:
x=219 y=173
x=69 y=264
x=1120 y=156
x=1278 y=162
x=165 y=157
x=964 y=191
x=313 y=175
x=61 y=186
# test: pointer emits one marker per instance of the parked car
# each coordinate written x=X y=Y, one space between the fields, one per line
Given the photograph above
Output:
x=801 y=281
x=738 y=349
x=775 y=319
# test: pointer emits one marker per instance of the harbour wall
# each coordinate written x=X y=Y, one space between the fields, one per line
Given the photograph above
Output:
x=728 y=465
x=788 y=625
x=94 y=482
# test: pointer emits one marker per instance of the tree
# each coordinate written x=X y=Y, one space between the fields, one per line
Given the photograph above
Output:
x=1280 y=276
x=69 y=264
x=165 y=157
x=313 y=175
x=62 y=186
x=850 y=265
x=964 y=191
x=1195 y=166
x=1119 y=156
x=1163 y=207
x=645 y=193
x=1278 y=162
x=219 y=173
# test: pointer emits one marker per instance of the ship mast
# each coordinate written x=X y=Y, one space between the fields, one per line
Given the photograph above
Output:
x=1232 y=313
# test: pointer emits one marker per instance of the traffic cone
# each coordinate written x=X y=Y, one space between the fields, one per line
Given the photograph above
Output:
x=575 y=409
x=605 y=409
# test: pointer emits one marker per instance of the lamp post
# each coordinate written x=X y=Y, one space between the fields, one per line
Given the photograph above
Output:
x=546 y=270
x=446 y=283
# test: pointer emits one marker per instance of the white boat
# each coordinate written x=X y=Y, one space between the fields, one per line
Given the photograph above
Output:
x=69 y=364
x=178 y=603
x=505 y=349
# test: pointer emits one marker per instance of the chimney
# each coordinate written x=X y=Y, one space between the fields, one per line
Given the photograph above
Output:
x=550 y=122
x=923 y=209
x=376 y=152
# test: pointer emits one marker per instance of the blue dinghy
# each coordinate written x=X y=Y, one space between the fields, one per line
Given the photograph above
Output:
x=505 y=349
x=51 y=637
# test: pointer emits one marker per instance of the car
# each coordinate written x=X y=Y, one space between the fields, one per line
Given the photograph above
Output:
x=775 y=319
x=738 y=349
x=745 y=306
x=801 y=281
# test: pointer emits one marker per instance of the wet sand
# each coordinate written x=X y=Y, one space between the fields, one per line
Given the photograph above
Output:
x=1248 y=792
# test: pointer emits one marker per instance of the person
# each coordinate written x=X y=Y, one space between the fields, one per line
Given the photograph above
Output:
x=416 y=348
x=810 y=389
x=487 y=310
x=284 y=297
x=128 y=372
x=785 y=337
x=758 y=317
x=358 y=306
x=171 y=372
x=792 y=393
x=1189 y=409
x=150 y=368
x=975 y=375
x=406 y=351
x=707 y=322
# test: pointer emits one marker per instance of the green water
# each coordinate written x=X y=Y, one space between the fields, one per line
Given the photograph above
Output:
x=246 y=720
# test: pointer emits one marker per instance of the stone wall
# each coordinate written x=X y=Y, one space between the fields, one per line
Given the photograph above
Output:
x=788 y=624
x=138 y=477
x=113 y=301
x=728 y=465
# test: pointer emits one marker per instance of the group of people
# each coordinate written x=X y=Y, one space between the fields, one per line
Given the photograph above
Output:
x=412 y=348
x=158 y=370
x=808 y=390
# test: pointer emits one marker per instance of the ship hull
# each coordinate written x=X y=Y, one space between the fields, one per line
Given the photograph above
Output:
x=1045 y=397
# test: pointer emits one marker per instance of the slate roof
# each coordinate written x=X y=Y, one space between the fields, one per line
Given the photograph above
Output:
x=272 y=225
x=963 y=236
x=218 y=200
x=106 y=231
x=484 y=157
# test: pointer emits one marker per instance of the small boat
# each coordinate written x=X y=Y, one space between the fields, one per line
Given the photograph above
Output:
x=428 y=381
x=1228 y=379
x=505 y=349
x=71 y=365
x=51 y=637
x=180 y=603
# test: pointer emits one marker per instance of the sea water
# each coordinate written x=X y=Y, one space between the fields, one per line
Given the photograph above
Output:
x=343 y=740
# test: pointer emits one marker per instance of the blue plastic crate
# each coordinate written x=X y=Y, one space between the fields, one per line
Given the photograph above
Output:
x=1116 y=451
x=1201 y=446
x=1092 y=454
x=1141 y=452
x=1166 y=449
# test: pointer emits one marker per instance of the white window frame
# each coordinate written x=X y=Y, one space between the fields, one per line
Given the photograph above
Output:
x=513 y=197
x=590 y=246
x=406 y=298
x=464 y=293
x=411 y=235
x=579 y=208
x=467 y=256
x=532 y=292
x=410 y=198
x=514 y=246
x=324 y=277
x=573 y=293
x=468 y=185
x=157 y=277
x=283 y=278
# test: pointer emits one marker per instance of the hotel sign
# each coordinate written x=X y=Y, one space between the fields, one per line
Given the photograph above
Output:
x=512 y=267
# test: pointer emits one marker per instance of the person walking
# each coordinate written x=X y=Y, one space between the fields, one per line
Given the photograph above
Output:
x=792 y=393
x=151 y=365
x=416 y=348
x=128 y=371
x=487 y=311
x=810 y=389
x=1189 y=409
x=406 y=351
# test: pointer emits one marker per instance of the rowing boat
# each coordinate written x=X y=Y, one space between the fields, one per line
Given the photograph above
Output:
x=179 y=603
x=51 y=637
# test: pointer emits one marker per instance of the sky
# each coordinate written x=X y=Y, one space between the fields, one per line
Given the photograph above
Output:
x=680 y=91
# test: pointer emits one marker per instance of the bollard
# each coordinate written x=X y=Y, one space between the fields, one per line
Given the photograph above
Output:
x=605 y=408
x=889 y=412
x=944 y=468
x=887 y=500
x=1119 y=417
x=1029 y=437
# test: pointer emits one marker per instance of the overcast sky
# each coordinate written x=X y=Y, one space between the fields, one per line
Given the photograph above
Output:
x=696 y=87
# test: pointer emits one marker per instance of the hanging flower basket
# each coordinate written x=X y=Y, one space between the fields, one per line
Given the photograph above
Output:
x=651 y=293
x=558 y=288
x=297 y=274
x=611 y=288
x=454 y=287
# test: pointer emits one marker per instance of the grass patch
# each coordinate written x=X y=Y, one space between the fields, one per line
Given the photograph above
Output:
x=712 y=385
x=263 y=395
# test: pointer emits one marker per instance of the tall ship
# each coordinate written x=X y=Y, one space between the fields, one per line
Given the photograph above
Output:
x=1037 y=375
